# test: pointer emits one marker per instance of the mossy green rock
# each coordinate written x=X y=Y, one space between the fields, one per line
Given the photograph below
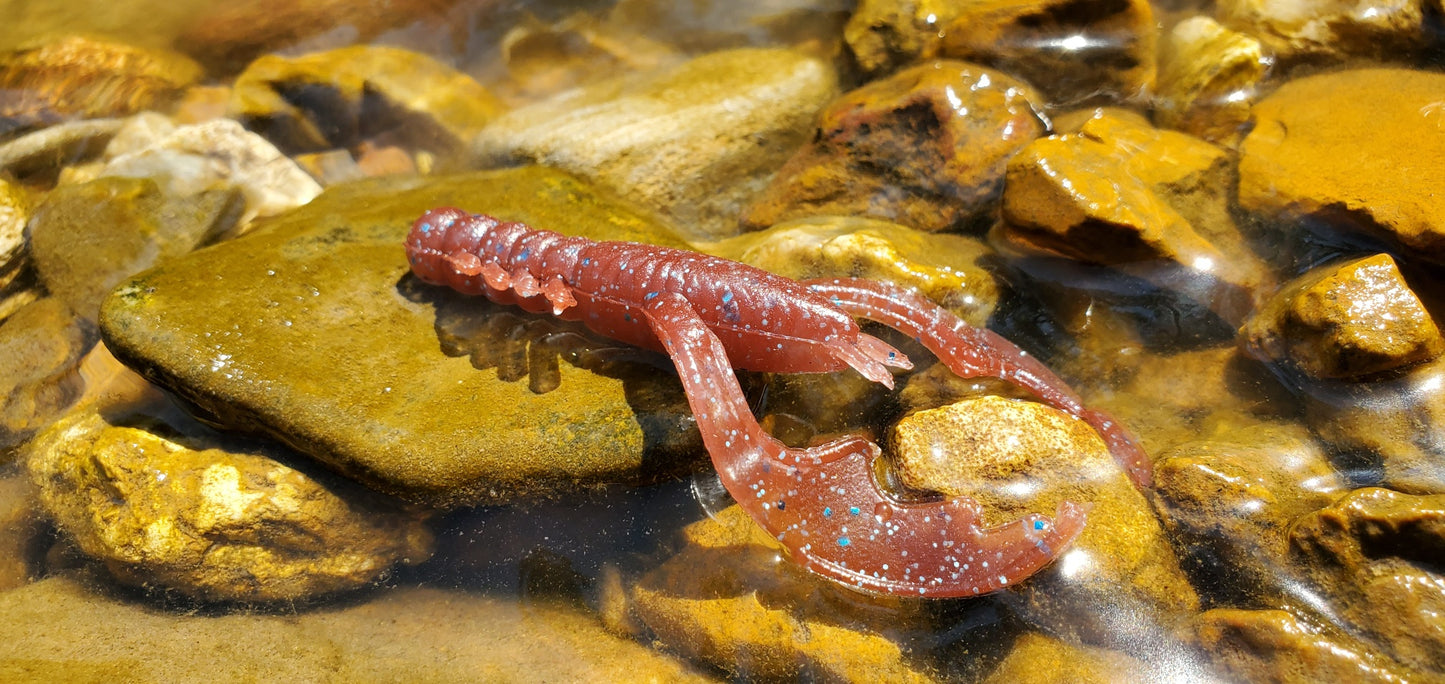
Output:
x=311 y=329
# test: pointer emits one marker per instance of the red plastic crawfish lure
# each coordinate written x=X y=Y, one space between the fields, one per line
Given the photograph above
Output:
x=712 y=315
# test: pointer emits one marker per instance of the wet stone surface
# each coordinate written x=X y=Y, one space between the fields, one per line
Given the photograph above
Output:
x=126 y=225
x=1376 y=555
x=727 y=598
x=372 y=382
x=358 y=93
x=692 y=142
x=86 y=78
x=1346 y=320
x=1386 y=122
x=1029 y=39
x=1122 y=194
x=991 y=449
x=66 y=628
x=40 y=350
x=213 y=524
x=949 y=269
x=925 y=147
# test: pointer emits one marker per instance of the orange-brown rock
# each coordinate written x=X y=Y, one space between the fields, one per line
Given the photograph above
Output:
x=1035 y=658
x=1330 y=31
x=1273 y=646
x=1208 y=77
x=925 y=147
x=1397 y=424
x=1122 y=194
x=84 y=78
x=1358 y=149
x=227 y=36
x=1071 y=51
x=1346 y=320
x=729 y=598
x=359 y=93
x=1018 y=457
x=1374 y=557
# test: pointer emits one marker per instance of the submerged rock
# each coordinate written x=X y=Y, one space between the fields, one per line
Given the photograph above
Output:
x=925 y=147
x=1019 y=457
x=370 y=381
x=692 y=142
x=14 y=214
x=359 y=93
x=213 y=524
x=191 y=160
x=1143 y=201
x=729 y=599
x=19 y=528
x=1375 y=556
x=1230 y=500
x=947 y=268
x=1272 y=645
x=1346 y=320
x=62 y=629
x=1208 y=78
x=40 y=350
x=84 y=239
x=1072 y=51
x=1038 y=659
x=1300 y=31
x=1360 y=150
x=84 y=78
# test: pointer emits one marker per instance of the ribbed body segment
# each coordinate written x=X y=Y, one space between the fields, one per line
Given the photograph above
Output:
x=824 y=504
x=765 y=322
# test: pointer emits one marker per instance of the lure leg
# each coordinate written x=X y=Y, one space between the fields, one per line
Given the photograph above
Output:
x=971 y=352
x=824 y=503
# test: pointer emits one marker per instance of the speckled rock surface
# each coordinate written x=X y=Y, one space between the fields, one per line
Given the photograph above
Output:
x=361 y=92
x=692 y=142
x=947 y=268
x=376 y=380
x=1039 y=659
x=728 y=599
x=1345 y=320
x=214 y=524
x=1375 y=555
x=991 y=449
x=64 y=629
x=14 y=213
x=925 y=147
x=1358 y=149
x=85 y=239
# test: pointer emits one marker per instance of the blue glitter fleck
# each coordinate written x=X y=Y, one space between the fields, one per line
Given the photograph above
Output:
x=780 y=504
x=627 y=317
x=843 y=541
x=525 y=253
x=586 y=262
x=426 y=229
x=827 y=512
x=1038 y=524
x=727 y=296
x=648 y=296
x=853 y=510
